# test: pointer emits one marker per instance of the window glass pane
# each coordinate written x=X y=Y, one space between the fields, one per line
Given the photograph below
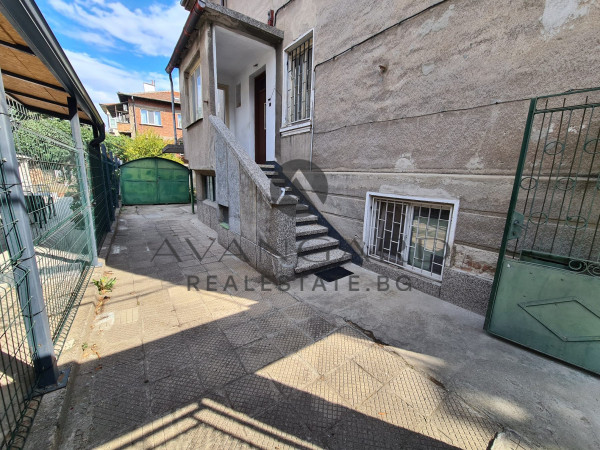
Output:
x=299 y=81
x=198 y=89
x=144 y=116
x=179 y=120
x=157 y=120
x=410 y=234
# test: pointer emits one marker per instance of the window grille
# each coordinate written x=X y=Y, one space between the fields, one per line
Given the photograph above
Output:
x=299 y=81
x=413 y=235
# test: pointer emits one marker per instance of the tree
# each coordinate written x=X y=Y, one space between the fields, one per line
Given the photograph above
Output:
x=145 y=145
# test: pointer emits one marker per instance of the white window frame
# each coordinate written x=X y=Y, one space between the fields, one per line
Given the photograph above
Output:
x=148 y=112
x=178 y=118
x=194 y=97
x=412 y=201
x=304 y=125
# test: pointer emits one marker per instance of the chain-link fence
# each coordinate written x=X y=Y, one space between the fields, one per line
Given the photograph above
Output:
x=51 y=179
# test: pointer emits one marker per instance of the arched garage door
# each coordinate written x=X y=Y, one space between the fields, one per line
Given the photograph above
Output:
x=151 y=181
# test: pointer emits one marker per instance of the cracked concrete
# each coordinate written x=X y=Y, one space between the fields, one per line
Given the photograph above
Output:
x=255 y=367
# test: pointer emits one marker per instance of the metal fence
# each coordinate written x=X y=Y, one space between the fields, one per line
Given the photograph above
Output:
x=51 y=178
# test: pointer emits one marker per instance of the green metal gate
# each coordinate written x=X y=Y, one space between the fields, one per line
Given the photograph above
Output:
x=151 y=181
x=546 y=293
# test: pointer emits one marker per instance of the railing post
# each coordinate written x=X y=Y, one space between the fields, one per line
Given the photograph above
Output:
x=76 y=133
x=106 y=183
x=22 y=254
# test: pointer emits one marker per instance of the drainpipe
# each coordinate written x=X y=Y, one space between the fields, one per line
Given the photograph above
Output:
x=134 y=119
x=173 y=109
x=188 y=29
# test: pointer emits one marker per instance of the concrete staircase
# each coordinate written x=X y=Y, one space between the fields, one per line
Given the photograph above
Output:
x=316 y=250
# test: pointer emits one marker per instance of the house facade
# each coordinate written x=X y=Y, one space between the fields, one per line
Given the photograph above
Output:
x=143 y=111
x=398 y=123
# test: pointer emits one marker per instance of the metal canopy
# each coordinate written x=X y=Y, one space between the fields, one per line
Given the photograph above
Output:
x=35 y=70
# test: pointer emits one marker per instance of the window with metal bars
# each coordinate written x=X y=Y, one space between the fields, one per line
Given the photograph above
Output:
x=410 y=234
x=299 y=84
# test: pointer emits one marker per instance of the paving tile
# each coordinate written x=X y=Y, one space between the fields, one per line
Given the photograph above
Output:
x=299 y=312
x=467 y=428
x=162 y=364
x=290 y=374
x=291 y=340
x=319 y=406
x=242 y=334
x=360 y=432
x=353 y=383
x=418 y=391
x=258 y=354
x=216 y=370
x=180 y=388
x=271 y=323
x=316 y=327
x=281 y=427
x=387 y=406
x=208 y=341
x=252 y=394
x=380 y=363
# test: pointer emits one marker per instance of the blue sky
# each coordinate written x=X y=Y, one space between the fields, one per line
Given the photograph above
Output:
x=116 y=45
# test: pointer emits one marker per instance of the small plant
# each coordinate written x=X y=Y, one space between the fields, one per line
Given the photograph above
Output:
x=104 y=284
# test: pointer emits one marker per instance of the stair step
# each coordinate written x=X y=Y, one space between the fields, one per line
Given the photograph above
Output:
x=321 y=259
x=267 y=166
x=310 y=230
x=277 y=181
x=301 y=207
x=270 y=173
x=316 y=243
x=306 y=218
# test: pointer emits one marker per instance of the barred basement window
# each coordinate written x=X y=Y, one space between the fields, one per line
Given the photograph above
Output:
x=299 y=68
x=411 y=234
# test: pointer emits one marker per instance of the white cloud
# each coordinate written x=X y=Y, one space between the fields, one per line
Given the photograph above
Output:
x=153 y=31
x=103 y=78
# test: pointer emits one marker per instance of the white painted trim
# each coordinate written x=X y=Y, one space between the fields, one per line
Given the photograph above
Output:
x=303 y=127
x=452 y=232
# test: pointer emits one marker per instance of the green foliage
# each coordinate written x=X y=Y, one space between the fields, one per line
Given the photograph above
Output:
x=31 y=139
x=116 y=144
x=146 y=145
x=104 y=284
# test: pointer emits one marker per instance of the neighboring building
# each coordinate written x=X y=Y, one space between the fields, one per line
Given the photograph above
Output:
x=413 y=111
x=143 y=111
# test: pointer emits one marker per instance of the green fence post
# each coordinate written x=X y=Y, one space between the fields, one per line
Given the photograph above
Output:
x=23 y=258
x=76 y=132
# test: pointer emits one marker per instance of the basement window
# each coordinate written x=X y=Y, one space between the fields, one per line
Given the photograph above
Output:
x=412 y=234
x=209 y=188
x=299 y=79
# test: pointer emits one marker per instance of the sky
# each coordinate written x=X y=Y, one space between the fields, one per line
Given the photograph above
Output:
x=117 y=45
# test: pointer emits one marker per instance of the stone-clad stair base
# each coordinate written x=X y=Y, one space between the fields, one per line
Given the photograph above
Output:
x=315 y=249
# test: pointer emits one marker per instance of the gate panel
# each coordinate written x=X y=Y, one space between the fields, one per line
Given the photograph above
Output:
x=546 y=292
x=150 y=181
x=173 y=183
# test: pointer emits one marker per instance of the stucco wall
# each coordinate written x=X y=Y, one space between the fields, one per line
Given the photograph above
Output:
x=196 y=135
x=435 y=106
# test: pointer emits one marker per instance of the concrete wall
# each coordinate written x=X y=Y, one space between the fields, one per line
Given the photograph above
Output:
x=435 y=106
x=260 y=231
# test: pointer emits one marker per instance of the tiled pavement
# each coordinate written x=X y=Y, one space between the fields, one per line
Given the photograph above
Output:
x=162 y=365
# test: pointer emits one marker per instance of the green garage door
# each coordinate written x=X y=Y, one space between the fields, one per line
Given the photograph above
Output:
x=151 y=181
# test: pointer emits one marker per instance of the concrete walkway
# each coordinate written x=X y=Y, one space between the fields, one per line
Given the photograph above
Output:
x=238 y=363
